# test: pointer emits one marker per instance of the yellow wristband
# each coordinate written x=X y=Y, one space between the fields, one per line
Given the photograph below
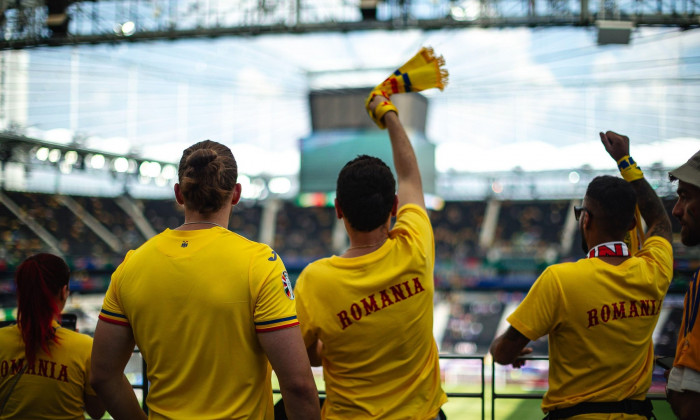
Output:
x=629 y=169
x=380 y=110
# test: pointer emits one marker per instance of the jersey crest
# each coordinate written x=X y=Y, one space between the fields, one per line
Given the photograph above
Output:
x=287 y=283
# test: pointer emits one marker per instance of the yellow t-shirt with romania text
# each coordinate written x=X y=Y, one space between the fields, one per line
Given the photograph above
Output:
x=52 y=388
x=600 y=319
x=374 y=315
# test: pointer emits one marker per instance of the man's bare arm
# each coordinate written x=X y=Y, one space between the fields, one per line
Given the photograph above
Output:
x=287 y=354
x=650 y=205
x=509 y=346
x=405 y=162
x=111 y=349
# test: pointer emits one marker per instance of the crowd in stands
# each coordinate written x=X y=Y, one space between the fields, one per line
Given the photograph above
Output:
x=303 y=234
x=527 y=236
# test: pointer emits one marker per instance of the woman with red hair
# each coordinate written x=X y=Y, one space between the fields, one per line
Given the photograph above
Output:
x=44 y=369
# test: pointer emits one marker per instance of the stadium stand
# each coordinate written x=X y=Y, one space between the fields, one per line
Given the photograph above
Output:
x=303 y=234
x=527 y=237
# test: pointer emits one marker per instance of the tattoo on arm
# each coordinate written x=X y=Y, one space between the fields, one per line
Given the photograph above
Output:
x=652 y=209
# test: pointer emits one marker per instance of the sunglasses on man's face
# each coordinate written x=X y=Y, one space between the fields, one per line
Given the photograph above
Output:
x=580 y=209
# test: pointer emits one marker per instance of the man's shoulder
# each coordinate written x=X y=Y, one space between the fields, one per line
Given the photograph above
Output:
x=319 y=267
x=657 y=242
x=74 y=337
x=565 y=267
x=412 y=209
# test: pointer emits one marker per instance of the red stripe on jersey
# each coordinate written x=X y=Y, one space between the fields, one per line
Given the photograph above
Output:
x=113 y=321
x=281 y=327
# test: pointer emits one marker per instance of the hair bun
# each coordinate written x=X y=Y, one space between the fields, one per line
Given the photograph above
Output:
x=201 y=158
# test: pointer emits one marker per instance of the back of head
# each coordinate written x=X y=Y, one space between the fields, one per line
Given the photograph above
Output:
x=207 y=174
x=39 y=280
x=614 y=202
x=365 y=191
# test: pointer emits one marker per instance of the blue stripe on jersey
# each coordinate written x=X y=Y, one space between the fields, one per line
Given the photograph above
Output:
x=113 y=314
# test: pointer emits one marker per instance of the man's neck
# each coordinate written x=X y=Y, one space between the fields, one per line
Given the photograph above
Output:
x=363 y=243
x=219 y=218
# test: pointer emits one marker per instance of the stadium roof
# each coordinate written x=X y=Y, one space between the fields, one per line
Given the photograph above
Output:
x=533 y=98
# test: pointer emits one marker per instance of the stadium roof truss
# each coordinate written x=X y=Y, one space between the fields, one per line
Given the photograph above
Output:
x=28 y=23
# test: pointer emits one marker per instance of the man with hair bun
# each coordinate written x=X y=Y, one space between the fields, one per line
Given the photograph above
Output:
x=683 y=389
x=367 y=315
x=600 y=311
x=208 y=309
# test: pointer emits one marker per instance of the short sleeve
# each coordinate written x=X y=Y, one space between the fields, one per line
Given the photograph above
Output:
x=537 y=314
x=273 y=293
x=658 y=252
x=413 y=221
x=112 y=310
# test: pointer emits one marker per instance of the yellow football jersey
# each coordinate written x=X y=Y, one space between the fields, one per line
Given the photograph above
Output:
x=374 y=315
x=52 y=387
x=195 y=301
x=600 y=319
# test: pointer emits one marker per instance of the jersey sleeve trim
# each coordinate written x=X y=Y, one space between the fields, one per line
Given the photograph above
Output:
x=113 y=318
x=276 y=324
x=281 y=327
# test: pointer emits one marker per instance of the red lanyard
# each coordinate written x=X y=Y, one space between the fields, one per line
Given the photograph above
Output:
x=609 y=249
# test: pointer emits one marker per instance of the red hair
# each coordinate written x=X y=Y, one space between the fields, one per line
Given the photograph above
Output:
x=39 y=280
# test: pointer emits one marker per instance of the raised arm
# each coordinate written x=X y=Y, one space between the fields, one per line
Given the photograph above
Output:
x=287 y=354
x=650 y=205
x=405 y=162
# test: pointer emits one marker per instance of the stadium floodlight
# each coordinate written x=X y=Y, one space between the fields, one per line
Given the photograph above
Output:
x=42 y=154
x=496 y=187
x=121 y=164
x=71 y=157
x=149 y=169
x=169 y=172
x=279 y=185
x=143 y=168
x=54 y=155
x=244 y=180
x=466 y=11
x=260 y=188
x=65 y=167
x=434 y=202
x=133 y=166
x=97 y=161
x=128 y=28
x=574 y=177
x=154 y=170
x=253 y=189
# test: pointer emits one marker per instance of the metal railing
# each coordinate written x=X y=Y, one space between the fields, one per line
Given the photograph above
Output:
x=481 y=394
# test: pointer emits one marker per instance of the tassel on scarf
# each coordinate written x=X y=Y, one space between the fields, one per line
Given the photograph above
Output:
x=423 y=71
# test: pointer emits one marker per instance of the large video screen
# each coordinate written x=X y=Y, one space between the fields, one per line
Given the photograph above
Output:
x=324 y=153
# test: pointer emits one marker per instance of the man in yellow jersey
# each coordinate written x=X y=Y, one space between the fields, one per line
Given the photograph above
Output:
x=208 y=309
x=367 y=315
x=600 y=312
x=683 y=388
